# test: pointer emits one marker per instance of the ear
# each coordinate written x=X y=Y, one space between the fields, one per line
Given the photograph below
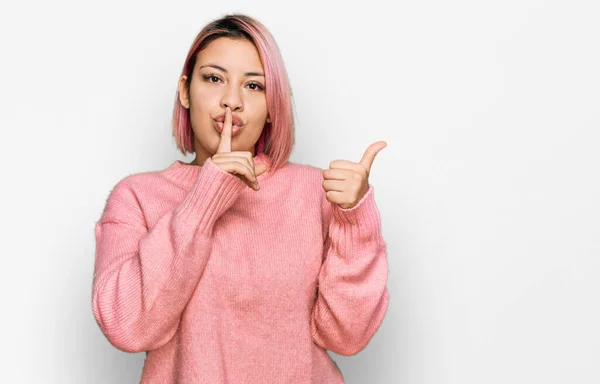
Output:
x=183 y=92
x=268 y=119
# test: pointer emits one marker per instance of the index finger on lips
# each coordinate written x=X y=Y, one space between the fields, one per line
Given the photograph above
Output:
x=225 y=142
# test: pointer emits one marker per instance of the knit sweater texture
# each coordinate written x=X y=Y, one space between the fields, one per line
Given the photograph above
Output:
x=219 y=283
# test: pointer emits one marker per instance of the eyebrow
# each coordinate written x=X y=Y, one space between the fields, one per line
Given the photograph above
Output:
x=224 y=70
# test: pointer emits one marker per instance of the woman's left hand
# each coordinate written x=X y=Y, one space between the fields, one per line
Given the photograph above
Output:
x=345 y=182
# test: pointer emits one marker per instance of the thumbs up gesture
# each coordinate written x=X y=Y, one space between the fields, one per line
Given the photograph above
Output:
x=238 y=163
x=345 y=182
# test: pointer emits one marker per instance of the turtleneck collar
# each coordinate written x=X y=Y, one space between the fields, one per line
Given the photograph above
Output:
x=184 y=173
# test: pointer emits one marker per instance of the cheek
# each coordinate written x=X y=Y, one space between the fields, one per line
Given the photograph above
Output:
x=258 y=106
x=203 y=100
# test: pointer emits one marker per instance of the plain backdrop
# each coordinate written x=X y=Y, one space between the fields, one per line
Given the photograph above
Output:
x=488 y=190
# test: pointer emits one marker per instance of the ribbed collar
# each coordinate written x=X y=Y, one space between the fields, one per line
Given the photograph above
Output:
x=184 y=174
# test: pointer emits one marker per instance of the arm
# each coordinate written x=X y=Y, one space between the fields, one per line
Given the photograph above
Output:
x=352 y=294
x=144 y=278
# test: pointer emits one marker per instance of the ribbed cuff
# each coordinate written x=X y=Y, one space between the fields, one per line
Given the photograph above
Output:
x=214 y=191
x=364 y=213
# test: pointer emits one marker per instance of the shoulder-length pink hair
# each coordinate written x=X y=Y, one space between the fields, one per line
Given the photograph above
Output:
x=277 y=138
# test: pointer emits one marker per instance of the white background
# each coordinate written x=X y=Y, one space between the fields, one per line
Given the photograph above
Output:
x=488 y=190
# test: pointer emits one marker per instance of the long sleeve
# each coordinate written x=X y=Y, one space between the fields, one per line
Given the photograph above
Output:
x=352 y=295
x=144 y=278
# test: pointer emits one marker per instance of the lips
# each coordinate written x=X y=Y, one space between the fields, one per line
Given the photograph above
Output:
x=235 y=129
x=236 y=126
x=235 y=120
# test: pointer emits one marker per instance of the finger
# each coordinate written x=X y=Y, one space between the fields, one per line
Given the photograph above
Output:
x=225 y=142
x=249 y=157
x=335 y=197
x=336 y=174
x=241 y=171
x=245 y=154
x=346 y=164
x=229 y=157
x=249 y=160
x=239 y=160
x=334 y=185
x=237 y=168
x=370 y=153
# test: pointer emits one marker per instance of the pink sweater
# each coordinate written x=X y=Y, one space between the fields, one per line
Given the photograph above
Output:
x=219 y=283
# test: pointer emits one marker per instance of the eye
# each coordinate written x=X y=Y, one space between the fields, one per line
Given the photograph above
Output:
x=213 y=78
x=258 y=86
x=210 y=77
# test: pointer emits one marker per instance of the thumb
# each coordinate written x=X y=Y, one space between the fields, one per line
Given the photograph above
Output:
x=370 y=153
x=259 y=169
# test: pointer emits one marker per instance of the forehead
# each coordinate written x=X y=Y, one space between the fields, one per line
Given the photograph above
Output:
x=232 y=54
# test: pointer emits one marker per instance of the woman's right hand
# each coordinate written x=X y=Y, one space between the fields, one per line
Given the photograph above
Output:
x=238 y=163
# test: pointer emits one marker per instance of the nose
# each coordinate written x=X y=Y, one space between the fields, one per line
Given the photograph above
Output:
x=231 y=97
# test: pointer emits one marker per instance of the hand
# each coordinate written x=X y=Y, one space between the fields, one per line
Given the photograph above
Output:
x=346 y=183
x=238 y=163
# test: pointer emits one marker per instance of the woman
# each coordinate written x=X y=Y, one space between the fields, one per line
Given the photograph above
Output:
x=240 y=267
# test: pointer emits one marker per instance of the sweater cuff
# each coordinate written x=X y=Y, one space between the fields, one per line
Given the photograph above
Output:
x=213 y=192
x=363 y=214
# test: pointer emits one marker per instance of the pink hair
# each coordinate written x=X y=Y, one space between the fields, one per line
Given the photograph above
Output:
x=277 y=138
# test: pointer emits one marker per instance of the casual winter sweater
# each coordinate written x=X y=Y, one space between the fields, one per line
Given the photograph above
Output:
x=219 y=283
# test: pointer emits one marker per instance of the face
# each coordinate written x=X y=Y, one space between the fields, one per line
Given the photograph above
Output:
x=228 y=72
